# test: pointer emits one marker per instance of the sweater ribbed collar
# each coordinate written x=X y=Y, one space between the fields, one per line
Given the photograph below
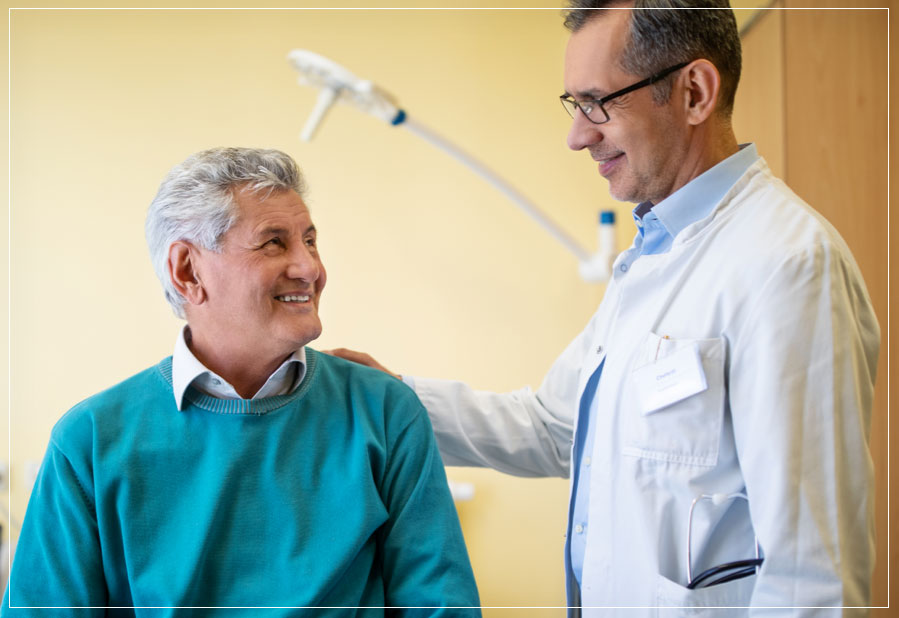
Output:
x=253 y=407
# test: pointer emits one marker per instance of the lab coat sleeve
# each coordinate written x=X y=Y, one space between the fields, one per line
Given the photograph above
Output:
x=521 y=432
x=58 y=563
x=423 y=557
x=801 y=391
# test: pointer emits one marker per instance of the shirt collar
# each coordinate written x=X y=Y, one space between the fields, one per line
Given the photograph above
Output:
x=187 y=371
x=696 y=199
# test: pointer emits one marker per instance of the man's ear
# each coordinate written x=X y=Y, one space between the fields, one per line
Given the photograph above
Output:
x=703 y=85
x=183 y=258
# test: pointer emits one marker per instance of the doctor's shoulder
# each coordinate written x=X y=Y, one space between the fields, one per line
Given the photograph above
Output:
x=771 y=227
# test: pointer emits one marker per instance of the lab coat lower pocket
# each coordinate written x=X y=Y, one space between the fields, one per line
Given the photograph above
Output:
x=730 y=598
x=687 y=431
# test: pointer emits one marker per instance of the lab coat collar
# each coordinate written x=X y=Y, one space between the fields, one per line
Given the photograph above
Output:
x=696 y=199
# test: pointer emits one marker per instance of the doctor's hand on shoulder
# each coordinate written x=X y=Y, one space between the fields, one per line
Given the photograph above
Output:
x=362 y=358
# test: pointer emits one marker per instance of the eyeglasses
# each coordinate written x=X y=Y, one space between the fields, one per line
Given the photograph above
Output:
x=594 y=109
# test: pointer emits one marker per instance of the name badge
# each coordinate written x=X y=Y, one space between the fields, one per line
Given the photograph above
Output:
x=670 y=379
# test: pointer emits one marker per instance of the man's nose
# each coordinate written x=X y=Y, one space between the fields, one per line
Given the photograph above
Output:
x=304 y=264
x=583 y=133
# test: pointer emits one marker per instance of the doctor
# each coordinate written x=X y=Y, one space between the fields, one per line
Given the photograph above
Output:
x=733 y=355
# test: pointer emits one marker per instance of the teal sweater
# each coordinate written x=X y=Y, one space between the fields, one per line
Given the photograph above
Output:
x=332 y=496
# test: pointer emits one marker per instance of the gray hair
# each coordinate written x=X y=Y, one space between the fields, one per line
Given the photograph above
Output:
x=662 y=38
x=196 y=201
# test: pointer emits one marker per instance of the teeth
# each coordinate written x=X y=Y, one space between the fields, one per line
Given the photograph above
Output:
x=293 y=299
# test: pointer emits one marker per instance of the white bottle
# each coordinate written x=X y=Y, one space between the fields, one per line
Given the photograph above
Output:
x=598 y=268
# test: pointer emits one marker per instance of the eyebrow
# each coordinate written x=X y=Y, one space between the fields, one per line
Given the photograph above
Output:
x=593 y=95
x=281 y=231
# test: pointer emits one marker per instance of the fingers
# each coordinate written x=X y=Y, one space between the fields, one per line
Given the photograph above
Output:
x=361 y=358
x=352 y=355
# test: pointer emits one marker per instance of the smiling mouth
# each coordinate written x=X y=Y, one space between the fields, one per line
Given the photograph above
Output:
x=608 y=164
x=605 y=159
x=294 y=298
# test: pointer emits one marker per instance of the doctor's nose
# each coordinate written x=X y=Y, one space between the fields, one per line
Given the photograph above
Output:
x=583 y=133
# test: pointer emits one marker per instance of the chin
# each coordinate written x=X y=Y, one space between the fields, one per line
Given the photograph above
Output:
x=624 y=197
x=631 y=195
x=620 y=192
x=296 y=336
x=308 y=335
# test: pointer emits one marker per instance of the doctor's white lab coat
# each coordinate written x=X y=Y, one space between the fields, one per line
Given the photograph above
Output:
x=772 y=298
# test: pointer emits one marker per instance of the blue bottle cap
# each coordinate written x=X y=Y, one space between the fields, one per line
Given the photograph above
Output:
x=400 y=117
x=606 y=216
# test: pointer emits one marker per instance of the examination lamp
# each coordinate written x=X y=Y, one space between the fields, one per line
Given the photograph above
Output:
x=338 y=84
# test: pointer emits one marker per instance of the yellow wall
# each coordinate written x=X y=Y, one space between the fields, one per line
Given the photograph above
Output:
x=429 y=269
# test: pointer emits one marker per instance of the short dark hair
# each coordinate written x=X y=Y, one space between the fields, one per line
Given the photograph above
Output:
x=665 y=32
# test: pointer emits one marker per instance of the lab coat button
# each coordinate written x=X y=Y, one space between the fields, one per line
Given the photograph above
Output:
x=599 y=349
x=623 y=268
x=579 y=529
x=216 y=381
x=587 y=461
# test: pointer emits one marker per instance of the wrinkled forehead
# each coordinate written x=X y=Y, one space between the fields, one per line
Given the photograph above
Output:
x=593 y=53
x=259 y=207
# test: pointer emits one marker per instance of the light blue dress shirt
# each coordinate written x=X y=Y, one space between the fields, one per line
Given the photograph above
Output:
x=657 y=227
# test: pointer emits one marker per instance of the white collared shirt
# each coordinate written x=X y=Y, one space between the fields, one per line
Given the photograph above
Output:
x=188 y=371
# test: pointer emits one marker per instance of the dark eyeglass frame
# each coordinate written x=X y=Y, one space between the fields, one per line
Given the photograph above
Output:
x=570 y=103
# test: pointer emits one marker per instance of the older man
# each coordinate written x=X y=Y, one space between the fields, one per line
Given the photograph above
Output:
x=714 y=415
x=246 y=470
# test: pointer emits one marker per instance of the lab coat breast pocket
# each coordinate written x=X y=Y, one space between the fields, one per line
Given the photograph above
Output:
x=688 y=429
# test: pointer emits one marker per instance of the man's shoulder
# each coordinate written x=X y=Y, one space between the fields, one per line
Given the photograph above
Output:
x=762 y=197
x=104 y=409
x=766 y=216
x=364 y=386
x=357 y=374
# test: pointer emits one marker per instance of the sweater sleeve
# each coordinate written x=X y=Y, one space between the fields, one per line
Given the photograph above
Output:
x=57 y=563
x=424 y=560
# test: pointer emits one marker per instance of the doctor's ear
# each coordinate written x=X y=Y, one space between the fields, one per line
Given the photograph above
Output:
x=703 y=85
x=183 y=258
